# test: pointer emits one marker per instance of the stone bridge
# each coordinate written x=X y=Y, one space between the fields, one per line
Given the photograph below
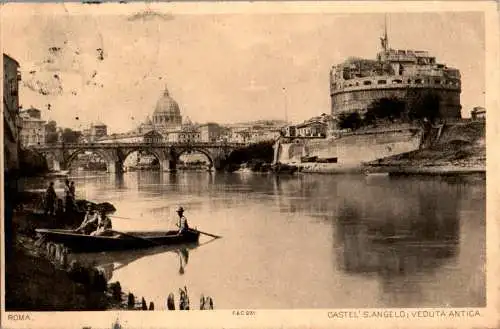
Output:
x=60 y=156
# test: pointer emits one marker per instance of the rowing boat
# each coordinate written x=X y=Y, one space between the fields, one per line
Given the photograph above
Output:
x=78 y=242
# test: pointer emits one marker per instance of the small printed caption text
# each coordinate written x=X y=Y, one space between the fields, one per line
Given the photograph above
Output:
x=361 y=314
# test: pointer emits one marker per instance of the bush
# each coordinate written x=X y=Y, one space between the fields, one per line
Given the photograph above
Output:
x=31 y=163
x=385 y=109
x=424 y=107
x=350 y=120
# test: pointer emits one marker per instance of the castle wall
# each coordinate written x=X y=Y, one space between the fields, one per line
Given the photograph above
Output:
x=351 y=100
x=352 y=150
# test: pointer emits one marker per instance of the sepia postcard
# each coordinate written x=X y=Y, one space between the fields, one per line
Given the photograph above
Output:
x=249 y=164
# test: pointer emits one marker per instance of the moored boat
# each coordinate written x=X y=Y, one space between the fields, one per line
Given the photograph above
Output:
x=77 y=242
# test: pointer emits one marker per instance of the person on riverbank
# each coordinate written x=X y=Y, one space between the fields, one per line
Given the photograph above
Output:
x=90 y=221
x=50 y=200
x=103 y=225
x=60 y=208
x=68 y=201
x=72 y=191
x=183 y=224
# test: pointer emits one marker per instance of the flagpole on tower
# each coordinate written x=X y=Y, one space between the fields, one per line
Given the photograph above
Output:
x=385 y=33
x=385 y=39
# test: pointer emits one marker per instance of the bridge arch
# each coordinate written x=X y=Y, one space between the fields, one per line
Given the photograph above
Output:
x=103 y=154
x=159 y=154
x=203 y=151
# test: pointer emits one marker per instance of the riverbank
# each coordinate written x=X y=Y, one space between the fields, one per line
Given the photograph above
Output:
x=460 y=149
x=37 y=277
x=328 y=168
x=44 y=276
x=396 y=168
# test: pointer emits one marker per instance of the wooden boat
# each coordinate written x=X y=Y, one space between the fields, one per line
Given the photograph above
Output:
x=77 y=242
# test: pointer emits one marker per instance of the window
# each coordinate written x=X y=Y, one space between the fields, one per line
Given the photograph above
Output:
x=418 y=81
x=381 y=82
x=397 y=81
x=366 y=83
x=437 y=81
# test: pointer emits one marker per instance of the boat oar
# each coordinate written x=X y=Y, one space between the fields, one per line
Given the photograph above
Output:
x=119 y=217
x=135 y=237
x=205 y=233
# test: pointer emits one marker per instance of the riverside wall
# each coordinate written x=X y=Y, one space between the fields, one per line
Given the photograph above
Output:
x=351 y=150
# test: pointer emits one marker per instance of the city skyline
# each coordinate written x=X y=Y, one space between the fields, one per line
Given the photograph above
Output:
x=220 y=68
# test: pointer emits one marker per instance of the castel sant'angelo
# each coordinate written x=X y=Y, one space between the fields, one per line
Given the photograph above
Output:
x=404 y=74
x=409 y=76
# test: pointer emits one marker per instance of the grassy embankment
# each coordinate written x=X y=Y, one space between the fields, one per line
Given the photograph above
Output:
x=460 y=148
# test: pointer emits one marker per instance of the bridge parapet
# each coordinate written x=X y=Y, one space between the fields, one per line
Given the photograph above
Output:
x=233 y=145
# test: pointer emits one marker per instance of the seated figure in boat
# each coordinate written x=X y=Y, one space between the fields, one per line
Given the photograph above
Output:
x=90 y=221
x=183 y=224
x=104 y=225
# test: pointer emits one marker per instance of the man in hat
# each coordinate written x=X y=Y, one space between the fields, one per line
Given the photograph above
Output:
x=183 y=225
x=90 y=221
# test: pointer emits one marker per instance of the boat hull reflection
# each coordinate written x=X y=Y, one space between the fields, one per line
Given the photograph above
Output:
x=114 y=260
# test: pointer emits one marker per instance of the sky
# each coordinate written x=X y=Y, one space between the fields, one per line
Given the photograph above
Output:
x=230 y=67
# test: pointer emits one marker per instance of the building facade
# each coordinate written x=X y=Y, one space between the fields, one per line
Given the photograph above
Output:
x=312 y=129
x=95 y=132
x=153 y=137
x=211 y=132
x=405 y=74
x=321 y=126
x=11 y=78
x=98 y=130
x=478 y=113
x=32 y=130
x=189 y=134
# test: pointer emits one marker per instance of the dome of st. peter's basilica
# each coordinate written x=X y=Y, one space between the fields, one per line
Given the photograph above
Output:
x=167 y=112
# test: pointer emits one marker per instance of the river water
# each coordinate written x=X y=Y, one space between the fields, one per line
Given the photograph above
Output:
x=307 y=241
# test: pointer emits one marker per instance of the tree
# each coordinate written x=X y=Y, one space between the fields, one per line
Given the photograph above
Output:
x=349 y=120
x=425 y=106
x=51 y=132
x=70 y=136
x=385 y=109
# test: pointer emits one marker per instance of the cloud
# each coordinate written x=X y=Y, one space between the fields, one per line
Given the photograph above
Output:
x=148 y=14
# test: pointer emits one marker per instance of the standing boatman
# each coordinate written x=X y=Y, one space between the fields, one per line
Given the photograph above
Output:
x=183 y=224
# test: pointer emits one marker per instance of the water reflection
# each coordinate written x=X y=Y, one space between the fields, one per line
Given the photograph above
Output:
x=348 y=240
x=110 y=262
